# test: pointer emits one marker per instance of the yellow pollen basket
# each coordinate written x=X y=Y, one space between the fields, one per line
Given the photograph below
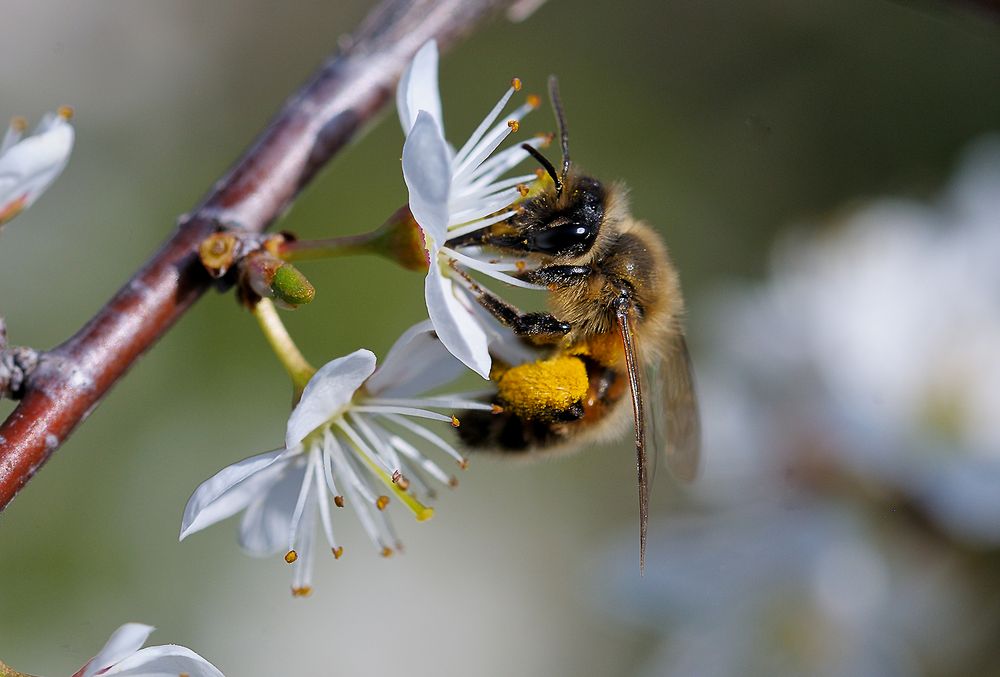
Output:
x=539 y=390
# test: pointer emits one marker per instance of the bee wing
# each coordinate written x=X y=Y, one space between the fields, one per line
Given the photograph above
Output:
x=671 y=414
x=642 y=459
x=674 y=409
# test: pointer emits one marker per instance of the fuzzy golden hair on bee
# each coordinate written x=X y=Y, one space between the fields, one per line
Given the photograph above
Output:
x=613 y=336
x=632 y=261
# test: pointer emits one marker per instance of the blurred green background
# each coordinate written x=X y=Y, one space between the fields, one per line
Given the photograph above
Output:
x=729 y=121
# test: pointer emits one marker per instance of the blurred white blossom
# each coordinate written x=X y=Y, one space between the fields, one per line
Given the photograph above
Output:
x=123 y=655
x=456 y=193
x=789 y=590
x=874 y=345
x=29 y=165
x=352 y=435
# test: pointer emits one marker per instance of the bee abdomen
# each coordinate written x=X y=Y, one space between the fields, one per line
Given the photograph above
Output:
x=508 y=432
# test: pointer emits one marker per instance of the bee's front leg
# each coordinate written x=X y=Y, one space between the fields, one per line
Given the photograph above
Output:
x=536 y=328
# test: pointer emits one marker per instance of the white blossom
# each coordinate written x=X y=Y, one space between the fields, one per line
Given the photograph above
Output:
x=455 y=193
x=29 y=165
x=353 y=438
x=123 y=655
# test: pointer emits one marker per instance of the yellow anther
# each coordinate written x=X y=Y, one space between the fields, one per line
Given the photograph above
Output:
x=541 y=390
x=291 y=556
x=463 y=463
x=496 y=409
x=514 y=125
x=516 y=84
x=540 y=173
x=523 y=190
x=19 y=124
x=455 y=422
x=65 y=112
x=337 y=552
x=534 y=101
x=521 y=265
x=304 y=591
x=338 y=501
x=386 y=551
x=546 y=138
x=381 y=502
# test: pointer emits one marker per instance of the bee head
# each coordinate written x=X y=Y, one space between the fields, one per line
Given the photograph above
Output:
x=556 y=227
x=573 y=229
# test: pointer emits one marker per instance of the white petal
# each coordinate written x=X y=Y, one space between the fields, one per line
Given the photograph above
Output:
x=31 y=165
x=125 y=641
x=456 y=323
x=229 y=491
x=417 y=363
x=327 y=393
x=427 y=172
x=165 y=661
x=418 y=89
x=265 y=524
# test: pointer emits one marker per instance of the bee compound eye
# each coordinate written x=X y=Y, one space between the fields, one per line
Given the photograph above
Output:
x=564 y=238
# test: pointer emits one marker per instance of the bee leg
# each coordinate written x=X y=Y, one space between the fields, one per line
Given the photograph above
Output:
x=536 y=328
x=558 y=276
x=539 y=328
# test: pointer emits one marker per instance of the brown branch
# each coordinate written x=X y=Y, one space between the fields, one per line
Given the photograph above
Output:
x=316 y=122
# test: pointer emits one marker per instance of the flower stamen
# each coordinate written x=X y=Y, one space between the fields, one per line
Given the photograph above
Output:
x=300 y=503
x=423 y=462
x=427 y=435
x=490 y=270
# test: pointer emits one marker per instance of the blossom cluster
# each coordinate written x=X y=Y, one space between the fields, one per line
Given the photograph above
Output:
x=358 y=435
x=887 y=366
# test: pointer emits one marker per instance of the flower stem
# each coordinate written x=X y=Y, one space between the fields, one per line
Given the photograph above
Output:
x=399 y=239
x=328 y=248
x=284 y=347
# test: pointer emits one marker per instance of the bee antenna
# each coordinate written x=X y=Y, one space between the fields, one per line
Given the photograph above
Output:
x=544 y=162
x=561 y=120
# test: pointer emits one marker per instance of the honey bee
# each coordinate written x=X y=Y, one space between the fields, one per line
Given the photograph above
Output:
x=614 y=328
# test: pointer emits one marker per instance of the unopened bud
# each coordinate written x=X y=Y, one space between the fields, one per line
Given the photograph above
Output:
x=291 y=286
x=270 y=277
